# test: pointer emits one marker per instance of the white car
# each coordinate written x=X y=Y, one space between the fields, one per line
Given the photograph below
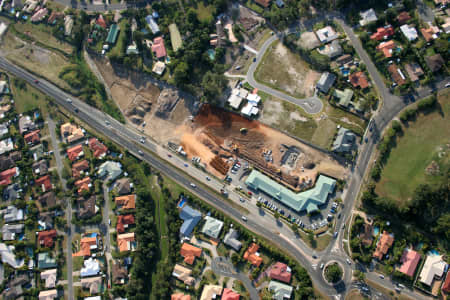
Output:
x=193 y=185
x=69 y=100
x=244 y=218
x=349 y=261
x=447 y=84
x=140 y=152
x=381 y=276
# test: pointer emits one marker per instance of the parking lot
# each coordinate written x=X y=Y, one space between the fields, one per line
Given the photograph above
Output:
x=236 y=178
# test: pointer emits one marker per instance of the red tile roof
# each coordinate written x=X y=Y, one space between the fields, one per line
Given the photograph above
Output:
x=386 y=48
x=78 y=167
x=158 y=47
x=395 y=74
x=264 y=3
x=75 y=152
x=403 y=17
x=97 y=147
x=123 y=220
x=180 y=296
x=126 y=202
x=446 y=285
x=101 y=22
x=32 y=137
x=44 y=182
x=250 y=255
x=383 y=245
x=85 y=246
x=409 y=260
x=190 y=252
x=230 y=295
x=45 y=238
x=359 y=79
x=5 y=176
x=281 y=272
x=382 y=32
x=83 y=184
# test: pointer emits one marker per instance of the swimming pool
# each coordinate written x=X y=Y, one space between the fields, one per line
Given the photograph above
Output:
x=376 y=231
x=433 y=252
x=183 y=200
x=211 y=54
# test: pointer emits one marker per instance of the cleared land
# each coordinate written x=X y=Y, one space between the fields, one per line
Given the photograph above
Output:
x=27 y=98
x=205 y=13
x=175 y=37
x=425 y=140
x=38 y=60
x=318 y=129
x=283 y=70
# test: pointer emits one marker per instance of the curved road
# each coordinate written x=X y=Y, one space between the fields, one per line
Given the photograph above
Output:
x=311 y=105
x=90 y=7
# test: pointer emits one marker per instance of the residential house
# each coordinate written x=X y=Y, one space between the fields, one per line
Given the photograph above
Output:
x=11 y=192
x=91 y=267
x=6 y=145
x=191 y=217
x=8 y=256
x=93 y=284
x=280 y=4
x=446 y=286
x=158 y=48
x=112 y=34
x=45 y=261
x=409 y=32
x=10 y=231
x=190 y=252
x=49 y=278
x=37 y=151
x=263 y=3
x=83 y=184
x=123 y=186
x=123 y=221
x=344 y=97
x=4 y=129
x=68 y=25
x=434 y=62
x=159 y=67
x=126 y=202
x=229 y=294
x=446 y=26
x=39 y=15
x=358 y=79
x=403 y=17
x=4 y=109
x=80 y=168
x=252 y=255
x=414 y=71
x=409 y=261
x=326 y=34
x=12 y=293
x=40 y=167
x=180 y=296
x=48 y=294
x=47 y=200
x=183 y=274
x=100 y=21
x=344 y=141
x=383 y=33
x=211 y=292
x=367 y=17
x=387 y=48
x=281 y=272
x=396 y=74
x=344 y=59
x=30 y=5
x=44 y=183
x=383 y=245
x=212 y=227
x=110 y=169
x=434 y=267
x=26 y=124
x=119 y=274
x=87 y=207
x=430 y=33
x=6 y=162
x=46 y=238
x=71 y=133
x=75 y=152
x=7 y=175
x=151 y=22
x=87 y=244
x=331 y=50
x=12 y=214
x=99 y=150
x=231 y=239
x=325 y=82
x=366 y=236
x=280 y=290
x=17 y=4
x=45 y=220
x=126 y=242
x=54 y=16
x=236 y=97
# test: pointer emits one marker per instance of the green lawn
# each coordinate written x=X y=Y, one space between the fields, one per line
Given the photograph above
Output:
x=116 y=50
x=205 y=13
x=160 y=218
x=27 y=98
x=405 y=168
x=77 y=263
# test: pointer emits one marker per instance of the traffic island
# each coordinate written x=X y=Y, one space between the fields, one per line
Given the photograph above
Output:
x=333 y=273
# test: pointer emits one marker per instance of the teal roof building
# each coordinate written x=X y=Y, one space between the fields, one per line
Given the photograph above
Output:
x=309 y=200
x=112 y=34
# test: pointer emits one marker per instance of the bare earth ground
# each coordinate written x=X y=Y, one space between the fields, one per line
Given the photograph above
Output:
x=287 y=71
x=36 y=59
x=130 y=89
x=308 y=40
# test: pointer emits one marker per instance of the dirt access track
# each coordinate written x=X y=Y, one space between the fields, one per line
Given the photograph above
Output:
x=215 y=133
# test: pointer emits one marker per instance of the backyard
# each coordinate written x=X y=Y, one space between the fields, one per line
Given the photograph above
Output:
x=424 y=141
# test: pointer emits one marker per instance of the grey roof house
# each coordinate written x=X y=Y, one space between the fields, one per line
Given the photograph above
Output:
x=12 y=214
x=11 y=192
x=325 y=82
x=45 y=261
x=212 y=227
x=280 y=290
x=191 y=217
x=231 y=239
x=26 y=124
x=8 y=256
x=111 y=169
x=345 y=141
x=9 y=231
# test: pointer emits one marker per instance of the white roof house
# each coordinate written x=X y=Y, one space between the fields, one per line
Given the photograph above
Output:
x=111 y=169
x=212 y=227
x=12 y=214
x=280 y=290
x=250 y=110
x=409 y=32
x=49 y=277
x=434 y=267
x=6 y=145
x=3 y=129
x=8 y=256
x=367 y=17
x=48 y=295
x=91 y=267
x=236 y=97
x=326 y=34
x=254 y=98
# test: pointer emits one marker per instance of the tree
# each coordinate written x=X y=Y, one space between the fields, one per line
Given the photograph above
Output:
x=294 y=228
x=213 y=85
x=333 y=273
x=276 y=215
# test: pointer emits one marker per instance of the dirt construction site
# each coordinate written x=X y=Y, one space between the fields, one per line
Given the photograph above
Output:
x=215 y=136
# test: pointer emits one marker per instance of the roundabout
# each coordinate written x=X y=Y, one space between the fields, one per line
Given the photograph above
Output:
x=333 y=273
